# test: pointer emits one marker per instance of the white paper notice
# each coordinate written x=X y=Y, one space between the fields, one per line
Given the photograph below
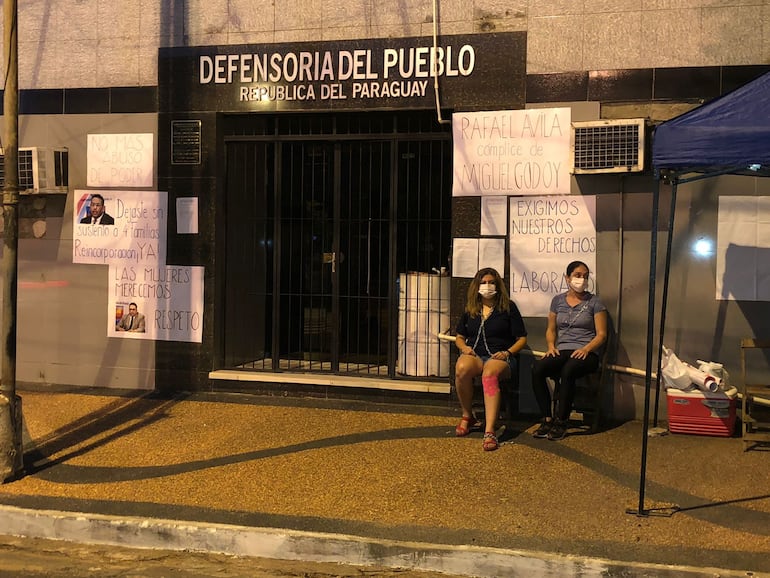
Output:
x=547 y=233
x=465 y=257
x=187 y=215
x=743 y=249
x=492 y=254
x=494 y=216
x=120 y=160
x=511 y=152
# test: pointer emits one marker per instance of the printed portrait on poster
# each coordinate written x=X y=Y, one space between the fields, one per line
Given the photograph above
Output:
x=119 y=227
x=163 y=303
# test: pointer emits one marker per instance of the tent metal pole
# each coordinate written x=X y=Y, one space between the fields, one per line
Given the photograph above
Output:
x=621 y=243
x=650 y=338
x=734 y=170
x=664 y=299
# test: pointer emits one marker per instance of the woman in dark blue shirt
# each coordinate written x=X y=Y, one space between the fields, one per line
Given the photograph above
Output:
x=489 y=335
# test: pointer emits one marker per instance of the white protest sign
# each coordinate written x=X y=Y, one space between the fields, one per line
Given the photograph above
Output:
x=169 y=298
x=743 y=248
x=546 y=234
x=513 y=152
x=132 y=229
x=120 y=160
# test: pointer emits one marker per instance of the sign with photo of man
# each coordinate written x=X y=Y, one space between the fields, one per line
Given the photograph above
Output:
x=119 y=227
x=156 y=302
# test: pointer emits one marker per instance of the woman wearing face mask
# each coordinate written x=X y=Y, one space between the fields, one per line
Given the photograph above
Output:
x=577 y=330
x=489 y=335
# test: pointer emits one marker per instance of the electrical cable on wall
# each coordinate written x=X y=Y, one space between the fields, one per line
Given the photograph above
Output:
x=435 y=64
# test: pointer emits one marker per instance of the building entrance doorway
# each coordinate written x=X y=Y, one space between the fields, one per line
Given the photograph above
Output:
x=323 y=216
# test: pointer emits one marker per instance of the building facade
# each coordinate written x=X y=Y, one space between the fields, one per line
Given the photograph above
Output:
x=317 y=146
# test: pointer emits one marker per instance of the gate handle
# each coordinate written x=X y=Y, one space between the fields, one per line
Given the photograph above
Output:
x=331 y=258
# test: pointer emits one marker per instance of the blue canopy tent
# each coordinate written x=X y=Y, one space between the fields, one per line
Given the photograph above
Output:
x=728 y=135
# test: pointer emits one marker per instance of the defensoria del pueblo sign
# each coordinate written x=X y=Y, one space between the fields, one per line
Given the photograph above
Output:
x=472 y=71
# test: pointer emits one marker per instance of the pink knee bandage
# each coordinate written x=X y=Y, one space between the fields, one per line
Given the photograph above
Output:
x=490 y=385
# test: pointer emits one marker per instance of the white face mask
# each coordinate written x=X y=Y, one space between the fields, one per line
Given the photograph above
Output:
x=578 y=284
x=487 y=290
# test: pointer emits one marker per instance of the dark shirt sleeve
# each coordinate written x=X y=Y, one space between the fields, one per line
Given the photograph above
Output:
x=462 y=325
x=517 y=323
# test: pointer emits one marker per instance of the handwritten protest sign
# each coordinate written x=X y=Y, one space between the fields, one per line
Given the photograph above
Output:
x=546 y=233
x=512 y=152
x=120 y=160
x=131 y=230
x=170 y=298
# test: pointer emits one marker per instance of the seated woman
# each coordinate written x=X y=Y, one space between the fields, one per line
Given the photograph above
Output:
x=576 y=332
x=489 y=335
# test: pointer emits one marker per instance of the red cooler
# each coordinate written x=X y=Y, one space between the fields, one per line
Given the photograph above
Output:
x=701 y=413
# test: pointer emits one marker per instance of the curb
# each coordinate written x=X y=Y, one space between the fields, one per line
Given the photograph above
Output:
x=280 y=544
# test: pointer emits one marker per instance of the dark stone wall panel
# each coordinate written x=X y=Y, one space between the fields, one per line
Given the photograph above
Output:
x=687 y=83
x=466 y=216
x=620 y=85
x=86 y=100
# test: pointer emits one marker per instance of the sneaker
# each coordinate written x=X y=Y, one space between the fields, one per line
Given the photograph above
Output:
x=543 y=430
x=558 y=431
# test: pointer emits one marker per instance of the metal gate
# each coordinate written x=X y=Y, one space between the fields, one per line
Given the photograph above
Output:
x=322 y=217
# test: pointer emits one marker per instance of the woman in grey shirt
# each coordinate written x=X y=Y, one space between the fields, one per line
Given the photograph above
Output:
x=577 y=330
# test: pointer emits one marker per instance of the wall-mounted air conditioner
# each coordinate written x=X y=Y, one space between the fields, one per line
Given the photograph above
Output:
x=608 y=146
x=41 y=170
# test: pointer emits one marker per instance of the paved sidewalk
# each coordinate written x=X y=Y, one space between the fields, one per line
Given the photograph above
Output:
x=369 y=484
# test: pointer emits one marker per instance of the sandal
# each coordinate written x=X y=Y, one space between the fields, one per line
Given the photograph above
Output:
x=469 y=422
x=490 y=442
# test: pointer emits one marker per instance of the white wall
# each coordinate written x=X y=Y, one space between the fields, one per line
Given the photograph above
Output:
x=62 y=306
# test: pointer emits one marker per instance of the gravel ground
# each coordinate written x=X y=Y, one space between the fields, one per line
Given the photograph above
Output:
x=398 y=475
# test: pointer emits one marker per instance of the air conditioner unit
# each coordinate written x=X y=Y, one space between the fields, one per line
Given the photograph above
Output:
x=41 y=170
x=608 y=146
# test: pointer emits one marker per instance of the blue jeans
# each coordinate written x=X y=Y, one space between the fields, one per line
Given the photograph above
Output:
x=513 y=361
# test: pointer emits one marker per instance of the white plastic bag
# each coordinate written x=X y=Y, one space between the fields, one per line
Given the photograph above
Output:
x=674 y=371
